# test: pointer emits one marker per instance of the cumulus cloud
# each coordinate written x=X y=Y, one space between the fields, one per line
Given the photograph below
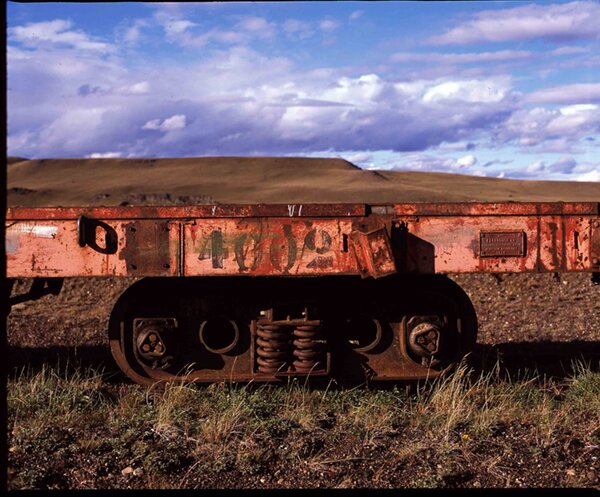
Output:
x=473 y=91
x=254 y=104
x=555 y=130
x=558 y=22
x=236 y=100
x=172 y=123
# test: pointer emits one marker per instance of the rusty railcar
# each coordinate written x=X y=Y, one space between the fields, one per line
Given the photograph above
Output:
x=265 y=292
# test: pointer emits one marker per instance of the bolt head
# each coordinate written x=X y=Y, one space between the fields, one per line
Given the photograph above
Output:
x=424 y=339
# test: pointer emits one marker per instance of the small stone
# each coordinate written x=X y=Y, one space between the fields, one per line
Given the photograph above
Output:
x=262 y=480
x=476 y=484
x=138 y=472
x=127 y=471
x=570 y=472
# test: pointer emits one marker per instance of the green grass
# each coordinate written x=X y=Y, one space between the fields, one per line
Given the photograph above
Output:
x=75 y=430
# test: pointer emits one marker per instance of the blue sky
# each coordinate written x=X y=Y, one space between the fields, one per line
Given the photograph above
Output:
x=499 y=89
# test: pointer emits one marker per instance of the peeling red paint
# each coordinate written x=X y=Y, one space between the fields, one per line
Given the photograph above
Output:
x=300 y=240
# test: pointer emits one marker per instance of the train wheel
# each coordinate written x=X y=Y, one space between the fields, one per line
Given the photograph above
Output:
x=242 y=329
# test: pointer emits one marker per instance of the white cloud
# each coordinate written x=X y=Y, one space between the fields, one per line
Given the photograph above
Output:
x=357 y=14
x=593 y=175
x=133 y=34
x=235 y=100
x=295 y=28
x=174 y=27
x=467 y=91
x=557 y=130
x=467 y=161
x=574 y=93
x=568 y=21
x=141 y=88
x=431 y=163
x=258 y=26
x=569 y=50
x=572 y=110
x=172 y=123
x=536 y=167
x=56 y=32
x=329 y=25
x=104 y=155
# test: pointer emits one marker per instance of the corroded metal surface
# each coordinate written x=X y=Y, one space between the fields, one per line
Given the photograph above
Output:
x=266 y=246
x=188 y=211
x=302 y=240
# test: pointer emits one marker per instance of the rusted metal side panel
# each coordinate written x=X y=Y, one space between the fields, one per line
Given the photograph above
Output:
x=492 y=244
x=579 y=235
x=510 y=238
x=52 y=249
x=272 y=246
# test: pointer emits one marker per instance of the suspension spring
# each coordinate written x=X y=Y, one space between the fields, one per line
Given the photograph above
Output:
x=309 y=348
x=273 y=348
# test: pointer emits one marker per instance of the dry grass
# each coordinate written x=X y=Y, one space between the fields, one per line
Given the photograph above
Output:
x=76 y=431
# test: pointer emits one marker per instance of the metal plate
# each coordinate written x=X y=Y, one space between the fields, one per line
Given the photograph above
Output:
x=147 y=251
x=502 y=244
x=373 y=251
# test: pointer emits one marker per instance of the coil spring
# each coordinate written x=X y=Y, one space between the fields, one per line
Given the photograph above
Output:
x=309 y=348
x=273 y=348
